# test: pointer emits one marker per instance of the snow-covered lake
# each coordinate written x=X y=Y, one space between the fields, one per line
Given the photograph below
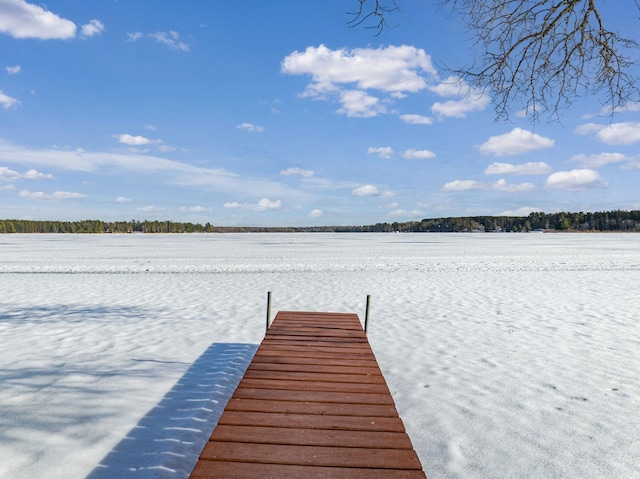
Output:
x=508 y=355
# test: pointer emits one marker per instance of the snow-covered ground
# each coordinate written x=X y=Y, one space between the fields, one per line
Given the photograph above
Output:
x=508 y=355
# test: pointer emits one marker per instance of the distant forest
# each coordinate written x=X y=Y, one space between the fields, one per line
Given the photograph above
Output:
x=601 y=221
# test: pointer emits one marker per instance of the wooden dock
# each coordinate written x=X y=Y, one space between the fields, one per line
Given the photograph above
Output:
x=312 y=404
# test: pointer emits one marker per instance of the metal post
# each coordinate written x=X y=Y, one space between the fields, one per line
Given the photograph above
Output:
x=268 y=309
x=366 y=314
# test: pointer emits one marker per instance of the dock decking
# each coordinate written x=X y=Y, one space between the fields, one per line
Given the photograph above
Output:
x=312 y=404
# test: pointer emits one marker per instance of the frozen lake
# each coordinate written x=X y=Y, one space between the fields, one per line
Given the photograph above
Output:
x=508 y=355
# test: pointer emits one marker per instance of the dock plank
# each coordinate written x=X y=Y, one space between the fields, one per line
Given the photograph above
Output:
x=313 y=421
x=320 y=386
x=308 y=407
x=314 y=367
x=299 y=360
x=328 y=456
x=313 y=376
x=313 y=396
x=243 y=470
x=313 y=403
x=310 y=437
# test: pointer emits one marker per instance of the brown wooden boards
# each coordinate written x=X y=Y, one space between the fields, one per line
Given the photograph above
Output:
x=313 y=404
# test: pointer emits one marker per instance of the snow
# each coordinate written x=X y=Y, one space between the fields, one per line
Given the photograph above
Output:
x=508 y=355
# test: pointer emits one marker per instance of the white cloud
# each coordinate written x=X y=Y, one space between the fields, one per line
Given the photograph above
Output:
x=132 y=140
x=366 y=190
x=250 y=127
x=522 y=211
x=162 y=148
x=358 y=104
x=263 y=205
x=634 y=163
x=575 y=180
x=266 y=204
x=525 y=112
x=56 y=195
x=36 y=175
x=626 y=133
x=469 y=100
x=502 y=185
x=464 y=185
x=402 y=213
x=149 y=209
x=65 y=195
x=7 y=175
x=598 y=160
x=394 y=70
x=588 y=128
x=78 y=160
x=391 y=69
x=94 y=27
x=149 y=166
x=25 y=20
x=297 y=171
x=414 y=119
x=7 y=102
x=516 y=142
x=531 y=168
x=412 y=154
x=324 y=184
x=382 y=151
x=122 y=199
x=452 y=86
x=193 y=209
x=316 y=213
x=460 y=108
x=628 y=107
x=134 y=37
x=171 y=39
x=14 y=70
x=150 y=127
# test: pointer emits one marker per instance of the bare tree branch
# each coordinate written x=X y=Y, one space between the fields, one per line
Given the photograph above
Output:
x=538 y=55
x=375 y=17
x=544 y=54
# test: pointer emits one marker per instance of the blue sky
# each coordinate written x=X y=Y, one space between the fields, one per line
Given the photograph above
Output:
x=278 y=114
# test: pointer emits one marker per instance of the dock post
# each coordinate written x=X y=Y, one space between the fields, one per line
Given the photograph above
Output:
x=268 y=309
x=366 y=314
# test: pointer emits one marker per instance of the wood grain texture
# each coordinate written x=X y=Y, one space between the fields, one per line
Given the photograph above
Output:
x=313 y=403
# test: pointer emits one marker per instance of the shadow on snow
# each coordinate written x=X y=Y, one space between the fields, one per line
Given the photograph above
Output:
x=168 y=440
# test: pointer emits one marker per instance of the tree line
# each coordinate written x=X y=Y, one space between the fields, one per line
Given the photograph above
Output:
x=600 y=221
x=618 y=220
x=97 y=226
